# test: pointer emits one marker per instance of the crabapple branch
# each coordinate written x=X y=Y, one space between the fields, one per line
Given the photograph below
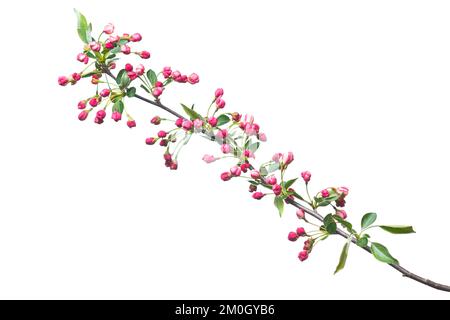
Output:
x=238 y=136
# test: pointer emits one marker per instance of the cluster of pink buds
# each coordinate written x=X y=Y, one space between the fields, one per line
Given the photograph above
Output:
x=177 y=76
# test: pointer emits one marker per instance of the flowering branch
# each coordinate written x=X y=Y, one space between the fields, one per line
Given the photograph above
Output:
x=238 y=136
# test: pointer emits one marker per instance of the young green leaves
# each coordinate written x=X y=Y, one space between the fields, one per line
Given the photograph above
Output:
x=84 y=28
x=382 y=254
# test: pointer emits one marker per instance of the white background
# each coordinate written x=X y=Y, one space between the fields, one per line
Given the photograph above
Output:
x=358 y=90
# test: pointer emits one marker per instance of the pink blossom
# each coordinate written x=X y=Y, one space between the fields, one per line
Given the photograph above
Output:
x=114 y=38
x=109 y=45
x=132 y=75
x=325 y=193
x=125 y=49
x=187 y=125
x=236 y=171
x=342 y=214
x=306 y=175
x=300 y=214
x=140 y=69
x=116 y=116
x=95 y=46
x=219 y=92
x=212 y=121
x=156 y=92
x=248 y=118
x=288 y=158
x=276 y=188
x=131 y=123
x=301 y=232
x=220 y=103
x=225 y=176
x=144 y=54
x=136 y=37
x=271 y=180
x=167 y=72
x=198 y=124
x=276 y=157
x=83 y=58
x=193 y=78
x=209 y=158
x=83 y=115
x=222 y=134
x=262 y=137
x=258 y=195
x=225 y=148
x=101 y=114
x=255 y=174
x=292 y=236
x=303 y=255
x=343 y=191
x=109 y=28
x=62 y=81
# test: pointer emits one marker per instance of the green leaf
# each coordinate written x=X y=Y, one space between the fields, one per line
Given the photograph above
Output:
x=120 y=75
x=83 y=27
x=331 y=228
x=124 y=81
x=328 y=219
x=279 y=203
x=151 y=75
x=347 y=225
x=382 y=254
x=368 y=219
x=118 y=106
x=253 y=147
x=362 y=242
x=145 y=88
x=343 y=258
x=115 y=50
x=191 y=113
x=398 y=229
x=131 y=92
x=222 y=119
x=269 y=168
x=90 y=55
x=289 y=183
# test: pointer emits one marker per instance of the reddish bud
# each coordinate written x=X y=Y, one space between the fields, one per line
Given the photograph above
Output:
x=187 y=125
x=262 y=137
x=93 y=102
x=325 y=193
x=301 y=232
x=76 y=76
x=95 y=46
x=252 y=188
x=162 y=134
x=150 y=141
x=136 y=37
x=83 y=115
x=105 y=92
x=174 y=166
x=62 y=81
x=109 y=45
x=109 y=28
x=101 y=114
x=236 y=171
x=179 y=122
x=255 y=174
x=144 y=54
x=193 y=78
x=116 y=116
x=219 y=93
x=82 y=104
x=258 y=195
x=220 y=103
x=340 y=202
x=125 y=49
x=82 y=57
x=140 y=69
x=288 y=158
x=306 y=175
x=114 y=39
x=167 y=72
x=132 y=75
x=342 y=214
x=225 y=148
x=292 y=236
x=156 y=92
x=128 y=67
x=276 y=188
x=236 y=117
x=303 y=255
x=131 y=123
x=212 y=121
x=155 y=120
x=163 y=143
x=272 y=180
x=159 y=84
x=225 y=176
x=300 y=214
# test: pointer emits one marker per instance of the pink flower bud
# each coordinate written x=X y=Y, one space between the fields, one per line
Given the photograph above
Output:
x=258 y=195
x=222 y=134
x=83 y=115
x=114 y=38
x=276 y=157
x=155 y=120
x=167 y=72
x=131 y=123
x=62 y=81
x=150 y=141
x=128 y=67
x=245 y=167
x=300 y=214
x=343 y=191
x=193 y=78
x=255 y=174
x=112 y=65
x=82 y=57
x=325 y=193
x=98 y=120
x=208 y=158
x=109 y=28
x=187 y=125
x=132 y=75
x=340 y=202
x=136 y=37
x=105 y=92
x=162 y=134
x=125 y=49
x=342 y=214
x=109 y=45
x=225 y=148
x=95 y=46
x=292 y=236
x=159 y=84
x=183 y=79
x=101 y=114
x=179 y=122
x=76 y=76
x=276 y=188
x=236 y=171
x=236 y=117
x=82 y=104
x=301 y=232
x=288 y=158
x=198 y=124
x=252 y=188
x=167 y=157
x=116 y=116
x=156 y=92
x=93 y=102
x=174 y=165
x=163 y=143
x=220 y=103
x=262 y=137
x=144 y=54
x=212 y=121
x=219 y=93
x=307 y=245
x=303 y=255
x=271 y=180
x=225 y=176
x=249 y=154
x=140 y=69
x=306 y=175
x=176 y=75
